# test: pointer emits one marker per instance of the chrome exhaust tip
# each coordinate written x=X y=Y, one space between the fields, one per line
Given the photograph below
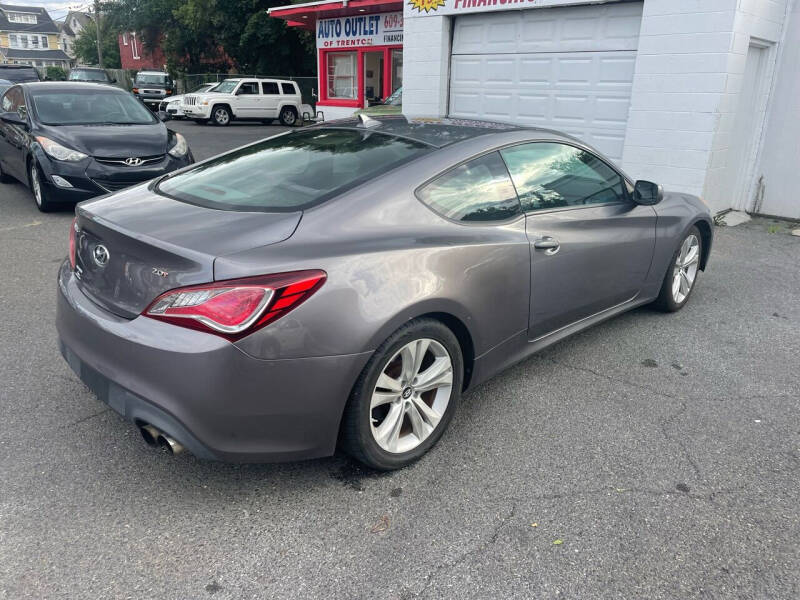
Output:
x=170 y=444
x=150 y=435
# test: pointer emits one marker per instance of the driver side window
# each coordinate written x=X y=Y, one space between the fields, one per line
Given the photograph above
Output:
x=552 y=175
x=12 y=100
x=248 y=88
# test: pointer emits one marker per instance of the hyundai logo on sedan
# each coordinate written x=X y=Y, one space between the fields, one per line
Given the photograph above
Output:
x=133 y=161
x=100 y=255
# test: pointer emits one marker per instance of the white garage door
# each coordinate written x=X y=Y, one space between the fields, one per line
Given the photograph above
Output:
x=565 y=68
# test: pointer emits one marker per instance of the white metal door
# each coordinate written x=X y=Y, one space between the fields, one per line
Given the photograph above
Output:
x=567 y=68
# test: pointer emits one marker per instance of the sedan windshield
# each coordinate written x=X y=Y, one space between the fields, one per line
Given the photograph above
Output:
x=87 y=75
x=89 y=107
x=291 y=171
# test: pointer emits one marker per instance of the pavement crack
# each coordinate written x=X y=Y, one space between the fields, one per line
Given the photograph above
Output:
x=84 y=419
x=490 y=541
x=611 y=378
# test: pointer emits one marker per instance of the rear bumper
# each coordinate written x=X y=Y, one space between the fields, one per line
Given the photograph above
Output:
x=216 y=400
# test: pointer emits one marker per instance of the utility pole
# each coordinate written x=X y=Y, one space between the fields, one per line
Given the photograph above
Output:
x=97 y=29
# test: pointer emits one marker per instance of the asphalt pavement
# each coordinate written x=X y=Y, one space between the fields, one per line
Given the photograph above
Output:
x=653 y=456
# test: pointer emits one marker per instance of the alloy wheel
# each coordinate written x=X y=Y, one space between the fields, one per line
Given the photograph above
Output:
x=685 y=271
x=221 y=116
x=411 y=395
x=36 y=184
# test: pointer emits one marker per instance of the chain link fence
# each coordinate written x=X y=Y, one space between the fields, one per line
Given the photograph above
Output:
x=189 y=83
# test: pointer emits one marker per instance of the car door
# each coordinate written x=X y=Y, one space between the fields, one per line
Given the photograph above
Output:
x=248 y=101
x=272 y=99
x=13 y=137
x=591 y=245
x=492 y=265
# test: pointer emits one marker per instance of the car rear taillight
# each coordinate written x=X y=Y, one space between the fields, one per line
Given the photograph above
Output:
x=236 y=307
x=73 y=233
x=135 y=90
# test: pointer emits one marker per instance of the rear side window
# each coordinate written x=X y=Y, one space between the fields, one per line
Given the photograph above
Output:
x=291 y=172
x=551 y=175
x=269 y=87
x=479 y=190
x=288 y=88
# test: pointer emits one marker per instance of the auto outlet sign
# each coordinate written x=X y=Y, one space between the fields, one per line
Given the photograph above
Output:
x=460 y=7
x=385 y=29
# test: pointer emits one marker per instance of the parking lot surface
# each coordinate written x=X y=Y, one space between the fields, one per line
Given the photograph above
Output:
x=653 y=456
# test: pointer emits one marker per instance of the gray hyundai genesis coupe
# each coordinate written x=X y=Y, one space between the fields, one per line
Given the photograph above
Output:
x=342 y=285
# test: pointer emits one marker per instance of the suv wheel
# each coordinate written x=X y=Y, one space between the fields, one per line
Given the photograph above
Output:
x=288 y=116
x=221 y=115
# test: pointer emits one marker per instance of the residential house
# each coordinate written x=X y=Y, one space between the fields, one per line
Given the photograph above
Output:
x=136 y=55
x=70 y=28
x=28 y=36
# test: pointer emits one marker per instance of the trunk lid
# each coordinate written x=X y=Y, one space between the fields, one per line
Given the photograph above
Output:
x=135 y=245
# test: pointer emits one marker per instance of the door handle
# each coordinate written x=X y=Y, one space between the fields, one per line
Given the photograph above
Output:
x=548 y=244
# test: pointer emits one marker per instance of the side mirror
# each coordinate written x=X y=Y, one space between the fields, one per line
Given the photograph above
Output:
x=113 y=80
x=647 y=193
x=164 y=116
x=13 y=118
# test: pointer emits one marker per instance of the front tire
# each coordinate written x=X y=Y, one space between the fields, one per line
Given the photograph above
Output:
x=405 y=397
x=40 y=194
x=221 y=115
x=681 y=277
x=288 y=116
x=3 y=177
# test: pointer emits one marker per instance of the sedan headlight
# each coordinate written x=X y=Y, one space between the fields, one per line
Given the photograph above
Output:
x=59 y=152
x=179 y=147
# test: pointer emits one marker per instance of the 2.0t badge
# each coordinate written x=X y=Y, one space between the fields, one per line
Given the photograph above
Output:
x=100 y=255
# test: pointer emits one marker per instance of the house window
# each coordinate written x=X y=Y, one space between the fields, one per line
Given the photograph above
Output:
x=35 y=42
x=12 y=40
x=14 y=17
x=134 y=46
x=341 y=71
x=45 y=43
x=125 y=38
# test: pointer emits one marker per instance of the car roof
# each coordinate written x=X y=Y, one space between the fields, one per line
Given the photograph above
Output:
x=67 y=85
x=87 y=68
x=434 y=131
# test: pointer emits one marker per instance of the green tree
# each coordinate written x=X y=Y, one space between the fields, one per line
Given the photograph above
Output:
x=55 y=74
x=86 y=46
x=205 y=35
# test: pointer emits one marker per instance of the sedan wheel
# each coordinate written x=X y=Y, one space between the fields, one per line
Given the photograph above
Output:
x=406 y=396
x=39 y=192
x=685 y=270
x=682 y=273
x=411 y=395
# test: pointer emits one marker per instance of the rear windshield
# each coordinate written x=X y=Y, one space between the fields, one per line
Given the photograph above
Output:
x=100 y=106
x=292 y=171
x=87 y=75
x=19 y=74
x=152 y=79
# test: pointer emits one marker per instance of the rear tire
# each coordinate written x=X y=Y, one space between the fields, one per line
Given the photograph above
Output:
x=288 y=116
x=385 y=394
x=221 y=115
x=40 y=193
x=682 y=272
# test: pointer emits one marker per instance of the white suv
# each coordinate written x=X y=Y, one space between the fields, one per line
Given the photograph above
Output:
x=246 y=99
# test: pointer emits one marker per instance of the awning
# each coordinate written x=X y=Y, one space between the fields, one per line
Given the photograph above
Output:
x=306 y=15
